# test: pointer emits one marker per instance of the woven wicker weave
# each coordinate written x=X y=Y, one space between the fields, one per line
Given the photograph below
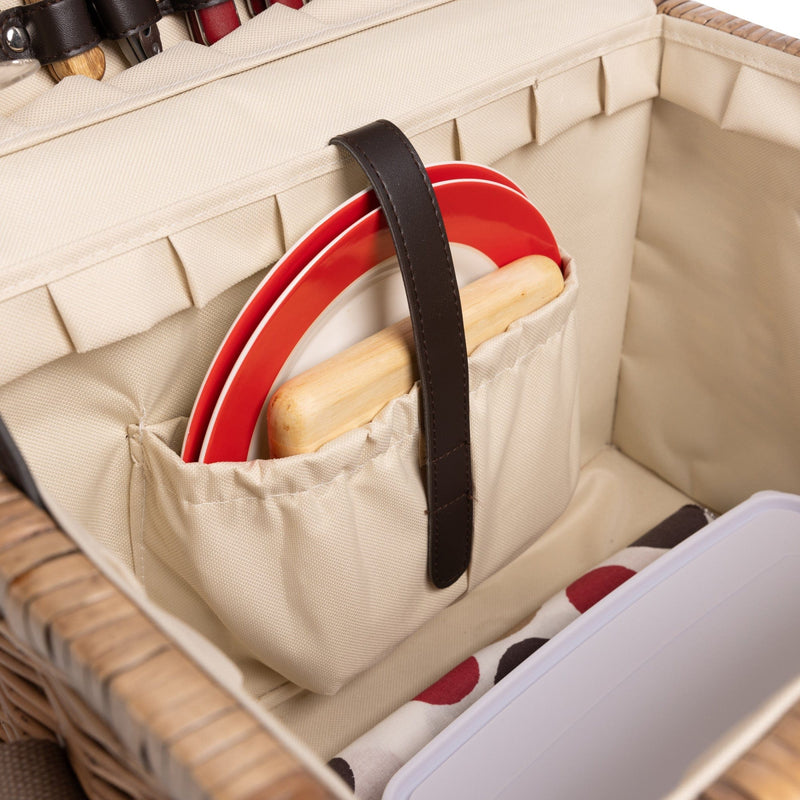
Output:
x=769 y=771
x=711 y=18
x=36 y=769
x=63 y=617
x=172 y=725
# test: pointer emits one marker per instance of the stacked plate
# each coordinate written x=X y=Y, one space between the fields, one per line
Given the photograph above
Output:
x=339 y=284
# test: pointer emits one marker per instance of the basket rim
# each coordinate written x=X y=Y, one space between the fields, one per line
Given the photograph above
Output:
x=114 y=662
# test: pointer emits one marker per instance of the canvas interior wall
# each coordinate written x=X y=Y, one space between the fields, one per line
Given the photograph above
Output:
x=568 y=115
x=710 y=379
x=99 y=349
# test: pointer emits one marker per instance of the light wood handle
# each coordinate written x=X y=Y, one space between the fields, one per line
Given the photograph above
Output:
x=349 y=389
x=92 y=63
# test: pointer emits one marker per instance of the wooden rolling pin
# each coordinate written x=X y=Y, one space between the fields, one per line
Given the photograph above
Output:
x=349 y=389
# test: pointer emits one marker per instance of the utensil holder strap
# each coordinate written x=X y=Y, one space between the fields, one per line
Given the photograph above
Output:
x=408 y=201
x=54 y=30
x=49 y=31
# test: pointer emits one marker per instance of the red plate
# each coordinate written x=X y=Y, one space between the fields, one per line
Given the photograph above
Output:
x=281 y=275
x=499 y=222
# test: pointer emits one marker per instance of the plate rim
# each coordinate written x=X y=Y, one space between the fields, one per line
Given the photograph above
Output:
x=194 y=439
x=349 y=232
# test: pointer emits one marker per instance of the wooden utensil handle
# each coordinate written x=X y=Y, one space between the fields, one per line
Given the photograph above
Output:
x=349 y=389
x=92 y=63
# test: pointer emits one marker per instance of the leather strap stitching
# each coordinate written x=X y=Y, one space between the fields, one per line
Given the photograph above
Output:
x=450 y=536
x=453 y=501
x=448 y=453
x=443 y=239
x=415 y=290
x=135 y=29
x=467 y=541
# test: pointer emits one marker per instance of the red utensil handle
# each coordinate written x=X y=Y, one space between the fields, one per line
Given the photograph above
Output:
x=209 y=25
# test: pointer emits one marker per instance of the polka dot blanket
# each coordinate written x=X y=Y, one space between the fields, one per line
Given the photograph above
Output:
x=367 y=764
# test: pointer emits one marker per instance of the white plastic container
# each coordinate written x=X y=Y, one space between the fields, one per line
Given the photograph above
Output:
x=622 y=702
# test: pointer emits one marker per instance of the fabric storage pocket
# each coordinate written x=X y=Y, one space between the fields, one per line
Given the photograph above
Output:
x=317 y=562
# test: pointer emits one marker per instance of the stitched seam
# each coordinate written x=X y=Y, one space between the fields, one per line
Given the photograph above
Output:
x=423 y=338
x=431 y=431
x=465 y=554
x=60 y=55
x=453 y=501
x=445 y=249
x=149 y=22
x=448 y=453
x=140 y=466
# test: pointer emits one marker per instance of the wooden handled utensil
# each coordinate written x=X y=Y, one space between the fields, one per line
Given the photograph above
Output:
x=92 y=63
x=349 y=389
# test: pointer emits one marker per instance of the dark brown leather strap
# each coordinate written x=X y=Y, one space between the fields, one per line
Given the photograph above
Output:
x=50 y=30
x=121 y=18
x=180 y=6
x=409 y=203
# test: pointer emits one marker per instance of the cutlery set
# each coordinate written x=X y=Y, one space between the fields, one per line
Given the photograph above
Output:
x=65 y=35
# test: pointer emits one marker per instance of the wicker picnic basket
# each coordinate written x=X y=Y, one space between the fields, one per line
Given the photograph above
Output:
x=145 y=708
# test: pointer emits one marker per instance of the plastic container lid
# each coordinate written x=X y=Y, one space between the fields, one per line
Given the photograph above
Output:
x=622 y=702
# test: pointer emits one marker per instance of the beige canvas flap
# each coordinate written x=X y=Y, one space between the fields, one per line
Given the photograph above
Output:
x=304 y=205
x=498 y=128
x=765 y=106
x=567 y=99
x=180 y=189
x=32 y=311
x=226 y=249
x=631 y=74
x=77 y=96
x=186 y=61
x=122 y=296
x=697 y=80
x=439 y=143
x=727 y=81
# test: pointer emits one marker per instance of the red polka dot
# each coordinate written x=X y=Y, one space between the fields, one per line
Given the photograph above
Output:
x=595 y=585
x=454 y=686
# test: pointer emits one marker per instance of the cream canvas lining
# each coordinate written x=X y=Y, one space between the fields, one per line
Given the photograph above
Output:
x=340 y=535
x=720 y=98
